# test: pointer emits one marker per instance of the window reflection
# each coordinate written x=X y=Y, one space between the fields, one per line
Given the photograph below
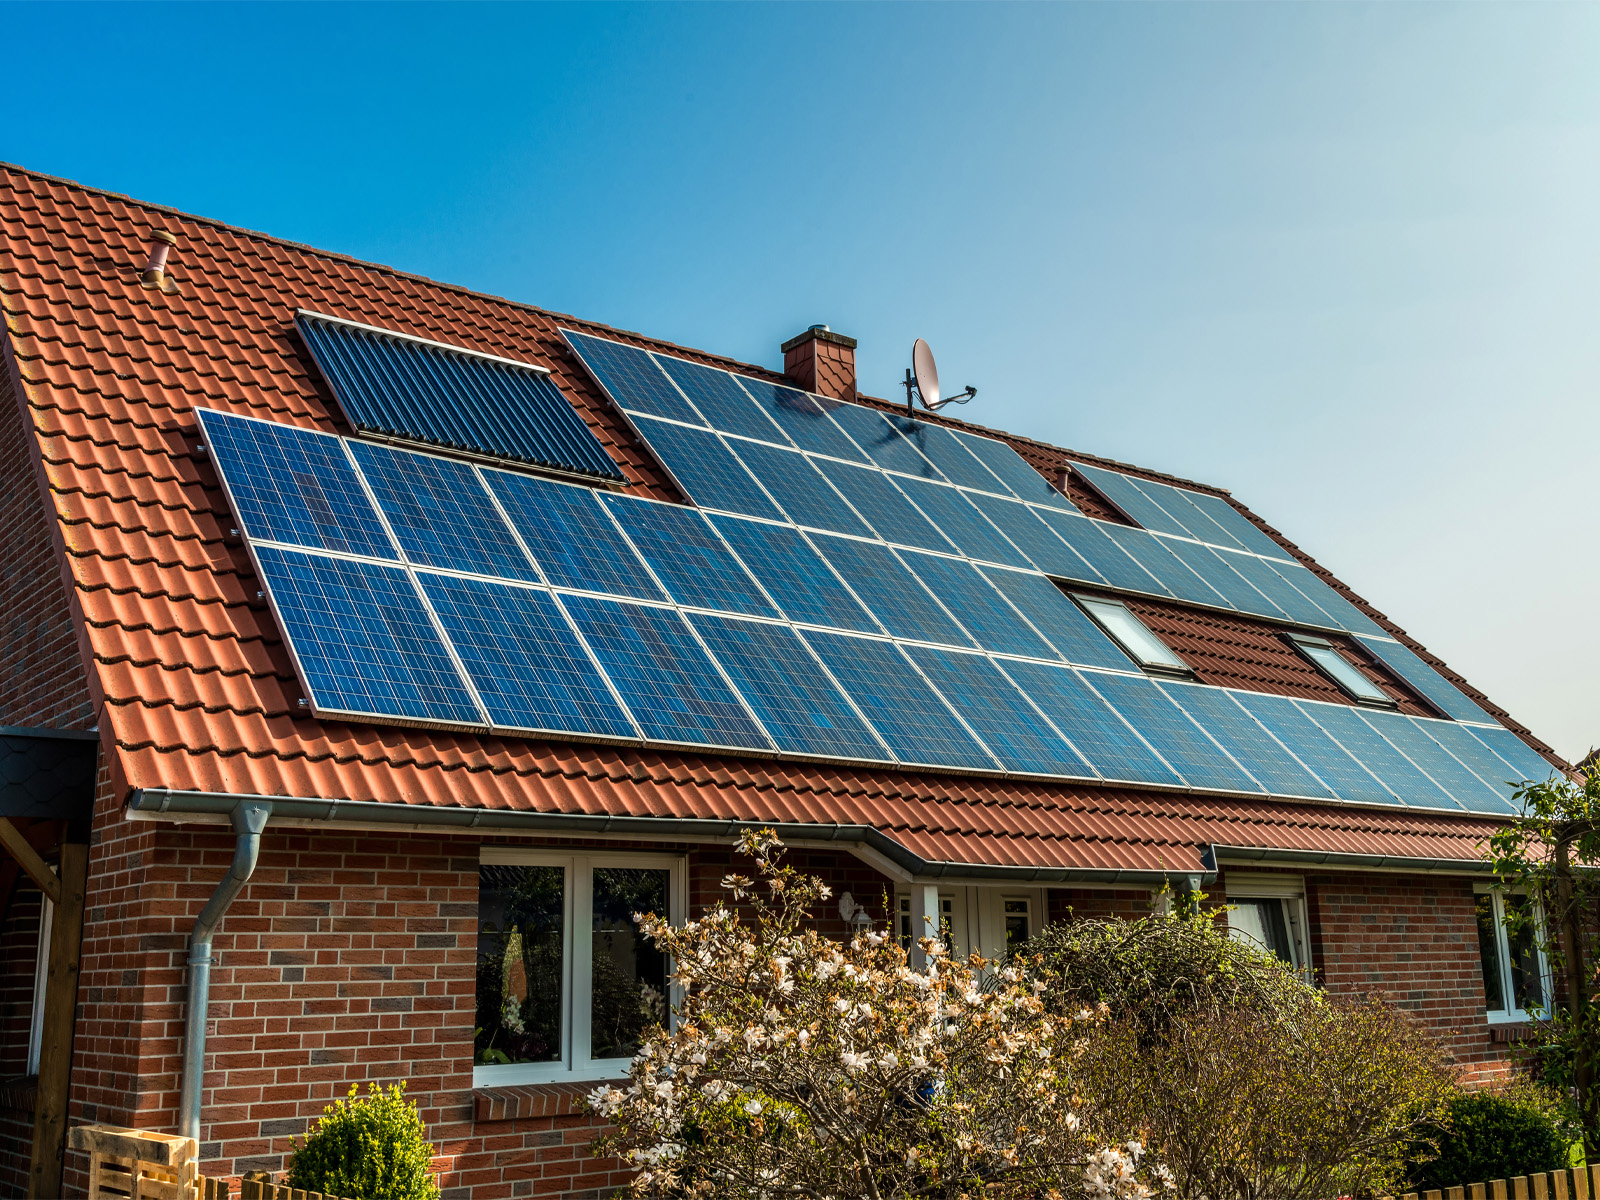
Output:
x=630 y=973
x=520 y=918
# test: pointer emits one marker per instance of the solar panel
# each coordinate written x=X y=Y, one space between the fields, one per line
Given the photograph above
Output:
x=529 y=667
x=1396 y=771
x=688 y=557
x=1279 y=593
x=1168 y=728
x=440 y=514
x=1309 y=742
x=788 y=689
x=1345 y=615
x=804 y=417
x=1074 y=636
x=362 y=640
x=1246 y=739
x=1151 y=553
x=794 y=574
x=293 y=485
x=1111 y=564
x=794 y=483
x=571 y=537
x=631 y=378
x=1526 y=763
x=884 y=506
x=1179 y=502
x=1413 y=741
x=721 y=401
x=961 y=523
x=905 y=711
x=1126 y=494
x=705 y=470
x=1435 y=688
x=1028 y=533
x=1013 y=470
x=891 y=593
x=939 y=447
x=399 y=386
x=1244 y=530
x=881 y=441
x=1095 y=729
x=998 y=713
x=1217 y=572
x=978 y=606
x=1477 y=757
x=675 y=692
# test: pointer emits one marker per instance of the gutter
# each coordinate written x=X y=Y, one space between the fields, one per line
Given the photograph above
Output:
x=1214 y=854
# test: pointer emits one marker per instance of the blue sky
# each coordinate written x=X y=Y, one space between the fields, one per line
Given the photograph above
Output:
x=1342 y=259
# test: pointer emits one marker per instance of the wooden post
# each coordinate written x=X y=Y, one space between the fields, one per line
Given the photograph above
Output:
x=60 y=1011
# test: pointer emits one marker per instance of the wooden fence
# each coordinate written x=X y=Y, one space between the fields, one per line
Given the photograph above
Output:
x=135 y=1164
x=1581 y=1183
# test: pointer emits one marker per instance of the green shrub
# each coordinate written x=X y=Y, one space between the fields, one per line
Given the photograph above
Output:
x=367 y=1149
x=1490 y=1135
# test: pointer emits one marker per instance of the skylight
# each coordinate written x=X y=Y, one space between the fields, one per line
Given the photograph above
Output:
x=1144 y=647
x=1326 y=658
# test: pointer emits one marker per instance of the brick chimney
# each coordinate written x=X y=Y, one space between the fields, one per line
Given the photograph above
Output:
x=822 y=361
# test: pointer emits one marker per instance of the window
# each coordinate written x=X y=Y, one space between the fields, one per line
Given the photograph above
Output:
x=1136 y=640
x=1018 y=910
x=1269 y=911
x=1325 y=656
x=1514 y=985
x=41 y=974
x=566 y=983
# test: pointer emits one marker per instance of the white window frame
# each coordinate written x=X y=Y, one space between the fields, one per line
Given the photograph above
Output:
x=1362 y=691
x=1502 y=941
x=976 y=916
x=1291 y=891
x=41 y=979
x=577 y=957
x=1170 y=661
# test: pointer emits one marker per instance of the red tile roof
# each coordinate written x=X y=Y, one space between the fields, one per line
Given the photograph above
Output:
x=192 y=680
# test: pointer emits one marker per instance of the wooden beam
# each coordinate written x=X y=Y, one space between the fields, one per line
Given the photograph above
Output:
x=28 y=859
x=60 y=1013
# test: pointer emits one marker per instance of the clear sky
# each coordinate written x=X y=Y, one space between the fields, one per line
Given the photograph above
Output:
x=1342 y=259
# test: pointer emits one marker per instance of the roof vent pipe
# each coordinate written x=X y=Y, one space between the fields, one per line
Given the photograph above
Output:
x=249 y=819
x=155 y=271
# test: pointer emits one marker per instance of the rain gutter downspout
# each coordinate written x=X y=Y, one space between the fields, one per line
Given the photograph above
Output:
x=249 y=819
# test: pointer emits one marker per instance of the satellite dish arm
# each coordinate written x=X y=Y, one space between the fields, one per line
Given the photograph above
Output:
x=960 y=398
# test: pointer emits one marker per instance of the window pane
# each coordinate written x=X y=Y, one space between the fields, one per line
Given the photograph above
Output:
x=1146 y=648
x=1261 y=922
x=1335 y=666
x=1489 y=953
x=1016 y=924
x=520 y=916
x=630 y=973
x=1526 y=984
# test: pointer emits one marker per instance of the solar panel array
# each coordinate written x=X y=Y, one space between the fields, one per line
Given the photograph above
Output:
x=413 y=588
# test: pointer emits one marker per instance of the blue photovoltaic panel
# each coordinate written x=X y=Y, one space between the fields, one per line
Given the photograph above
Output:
x=906 y=712
x=1525 y=762
x=1244 y=737
x=961 y=523
x=1235 y=522
x=997 y=712
x=1345 y=615
x=1110 y=563
x=1032 y=536
x=1072 y=633
x=674 y=690
x=1280 y=594
x=1435 y=688
x=1099 y=734
x=1151 y=553
x=793 y=482
x=363 y=640
x=1218 y=572
x=440 y=513
x=804 y=417
x=1412 y=740
x=1478 y=758
x=1396 y=771
x=530 y=669
x=881 y=441
x=1126 y=494
x=398 y=386
x=795 y=575
x=977 y=605
x=1180 y=503
x=632 y=379
x=790 y=692
x=1013 y=471
x=571 y=538
x=1312 y=746
x=721 y=401
x=1168 y=728
x=706 y=469
x=939 y=447
x=884 y=506
x=294 y=485
x=890 y=592
x=688 y=557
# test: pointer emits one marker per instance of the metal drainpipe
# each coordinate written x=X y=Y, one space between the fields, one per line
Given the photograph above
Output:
x=249 y=819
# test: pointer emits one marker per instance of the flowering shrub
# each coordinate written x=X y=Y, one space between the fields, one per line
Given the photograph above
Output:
x=800 y=1066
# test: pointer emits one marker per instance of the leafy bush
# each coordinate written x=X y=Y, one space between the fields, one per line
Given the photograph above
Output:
x=1488 y=1135
x=367 y=1149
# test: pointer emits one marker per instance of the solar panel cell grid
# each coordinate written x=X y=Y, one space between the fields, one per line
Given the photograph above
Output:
x=884 y=506
x=1525 y=763
x=1127 y=495
x=1247 y=740
x=721 y=401
x=1345 y=615
x=963 y=524
x=688 y=557
x=1279 y=594
x=1168 y=728
x=632 y=378
x=706 y=469
x=1219 y=574
x=1244 y=530
x=804 y=417
x=1013 y=471
x=891 y=593
x=954 y=461
x=1108 y=743
x=795 y=484
x=977 y=605
x=1397 y=772
x=1346 y=777
x=1150 y=553
x=1435 y=688
x=1179 y=502
x=1413 y=741
x=1023 y=528
x=1077 y=638
x=881 y=442
x=1110 y=563
x=794 y=575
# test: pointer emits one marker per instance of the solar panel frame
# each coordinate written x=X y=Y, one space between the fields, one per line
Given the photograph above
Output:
x=705 y=470
x=1522 y=758
x=1434 y=687
x=803 y=493
x=719 y=400
x=979 y=606
x=1244 y=531
x=881 y=442
x=948 y=509
x=1340 y=770
x=1024 y=529
x=884 y=506
x=1217 y=572
x=1200 y=523
x=1183 y=743
x=630 y=378
x=1071 y=634
x=894 y=596
x=953 y=460
x=1111 y=564
x=795 y=575
x=1447 y=771
x=1124 y=492
x=803 y=417
x=1277 y=592
x=1175 y=578
x=693 y=563
x=1246 y=739
x=1409 y=784
x=1013 y=470
x=1473 y=753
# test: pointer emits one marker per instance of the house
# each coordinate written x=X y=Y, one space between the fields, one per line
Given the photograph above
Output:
x=412 y=673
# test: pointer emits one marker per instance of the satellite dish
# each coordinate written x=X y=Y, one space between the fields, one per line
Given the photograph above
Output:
x=922 y=379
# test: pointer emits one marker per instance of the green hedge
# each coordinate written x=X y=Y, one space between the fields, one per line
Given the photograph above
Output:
x=371 y=1148
x=1490 y=1135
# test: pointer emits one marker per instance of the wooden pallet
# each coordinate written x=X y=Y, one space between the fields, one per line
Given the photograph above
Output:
x=134 y=1164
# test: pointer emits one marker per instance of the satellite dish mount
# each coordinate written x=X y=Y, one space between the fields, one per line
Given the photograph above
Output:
x=922 y=381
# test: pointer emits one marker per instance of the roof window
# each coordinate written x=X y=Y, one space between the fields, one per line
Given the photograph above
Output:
x=1135 y=638
x=1325 y=656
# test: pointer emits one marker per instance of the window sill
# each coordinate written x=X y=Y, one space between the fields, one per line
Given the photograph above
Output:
x=518 y=1102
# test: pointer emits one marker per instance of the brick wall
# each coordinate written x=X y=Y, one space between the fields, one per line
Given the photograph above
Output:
x=1099 y=903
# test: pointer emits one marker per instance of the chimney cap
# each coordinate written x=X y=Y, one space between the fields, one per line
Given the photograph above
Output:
x=819 y=333
x=161 y=235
